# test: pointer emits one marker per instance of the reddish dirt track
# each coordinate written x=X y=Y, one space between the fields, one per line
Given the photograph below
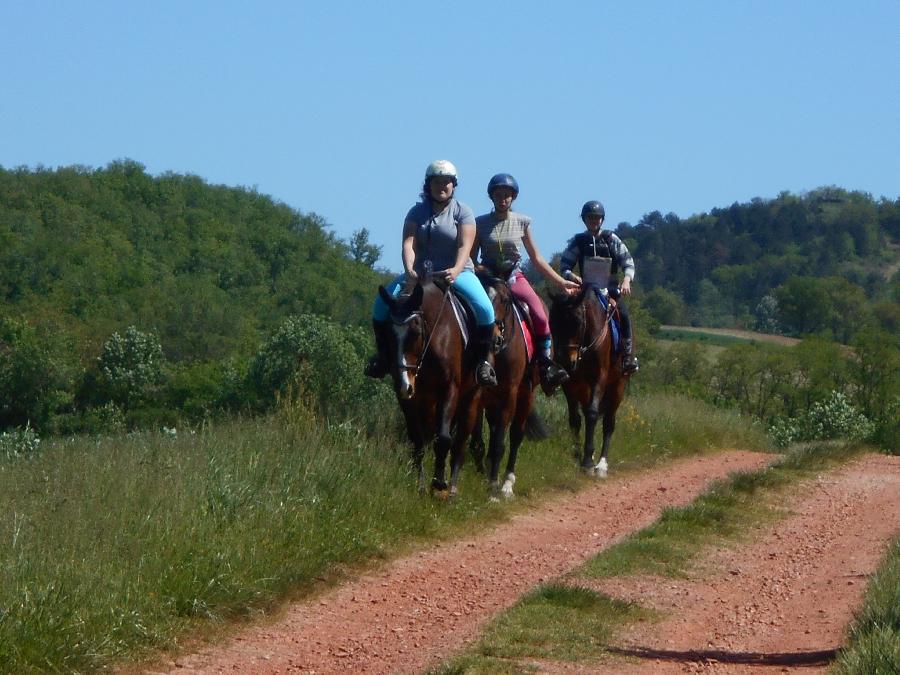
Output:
x=420 y=609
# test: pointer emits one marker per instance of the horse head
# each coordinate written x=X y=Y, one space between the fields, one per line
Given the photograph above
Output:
x=569 y=325
x=409 y=338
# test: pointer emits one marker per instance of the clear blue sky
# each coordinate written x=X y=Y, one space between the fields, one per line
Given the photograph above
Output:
x=336 y=107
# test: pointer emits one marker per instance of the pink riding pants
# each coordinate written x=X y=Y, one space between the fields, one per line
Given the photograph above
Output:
x=525 y=293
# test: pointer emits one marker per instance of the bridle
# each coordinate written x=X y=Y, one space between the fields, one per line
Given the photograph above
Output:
x=580 y=348
x=425 y=331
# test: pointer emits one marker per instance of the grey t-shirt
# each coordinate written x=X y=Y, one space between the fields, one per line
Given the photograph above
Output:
x=437 y=235
x=500 y=240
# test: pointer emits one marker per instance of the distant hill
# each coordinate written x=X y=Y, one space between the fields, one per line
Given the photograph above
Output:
x=209 y=269
x=798 y=261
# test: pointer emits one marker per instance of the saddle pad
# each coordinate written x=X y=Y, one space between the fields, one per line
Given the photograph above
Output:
x=529 y=339
x=459 y=311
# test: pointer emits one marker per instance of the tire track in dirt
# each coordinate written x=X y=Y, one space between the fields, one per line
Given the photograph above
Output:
x=780 y=604
x=422 y=608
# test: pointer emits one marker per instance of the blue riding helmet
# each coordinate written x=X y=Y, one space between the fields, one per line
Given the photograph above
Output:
x=503 y=180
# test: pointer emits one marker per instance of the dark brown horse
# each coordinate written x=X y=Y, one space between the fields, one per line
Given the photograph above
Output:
x=507 y=405
x=433 y=379
x=583 y=344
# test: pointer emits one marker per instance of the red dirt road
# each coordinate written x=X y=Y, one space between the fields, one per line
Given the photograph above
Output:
x=421 y=609
x=782 y=603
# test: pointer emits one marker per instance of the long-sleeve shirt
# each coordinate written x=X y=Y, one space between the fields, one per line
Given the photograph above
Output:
x=605 y=245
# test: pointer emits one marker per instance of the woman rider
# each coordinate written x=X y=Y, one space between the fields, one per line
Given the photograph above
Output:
x=437 y=239
x=500 y=235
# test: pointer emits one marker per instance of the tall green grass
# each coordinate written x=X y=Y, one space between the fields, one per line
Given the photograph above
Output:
x=875 y=634
x=113 y=548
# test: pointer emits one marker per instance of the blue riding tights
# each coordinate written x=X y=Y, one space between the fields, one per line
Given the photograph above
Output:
x=467 y=285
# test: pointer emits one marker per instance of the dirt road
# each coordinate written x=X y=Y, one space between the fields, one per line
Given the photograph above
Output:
x=420 y=609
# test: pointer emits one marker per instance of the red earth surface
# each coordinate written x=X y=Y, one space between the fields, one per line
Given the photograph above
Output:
x=780 y=602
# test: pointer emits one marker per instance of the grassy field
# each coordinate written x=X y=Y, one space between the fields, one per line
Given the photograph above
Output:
x=567 y=622
x=723 y=337
x=117 y=547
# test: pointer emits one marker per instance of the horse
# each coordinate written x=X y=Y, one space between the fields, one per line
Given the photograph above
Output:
x=583 y=345
x=434 y=381
x=509 y=404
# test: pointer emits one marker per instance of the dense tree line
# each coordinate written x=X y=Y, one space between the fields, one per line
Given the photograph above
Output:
x=201 y=272
x=823 y=261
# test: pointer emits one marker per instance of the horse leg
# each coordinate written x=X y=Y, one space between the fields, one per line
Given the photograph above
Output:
x=496 y=440
x=468 y=413
x=443 y=441
x=516 y=435
x=610 y=406
x=416 y=435
x=476 y=442
x=591 y=415
x=574 y=420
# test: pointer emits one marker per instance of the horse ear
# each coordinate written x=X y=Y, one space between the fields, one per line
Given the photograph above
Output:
x=389 y=299
x=415 y=298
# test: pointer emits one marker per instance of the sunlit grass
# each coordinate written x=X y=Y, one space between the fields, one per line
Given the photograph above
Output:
x=114 y=548
x=875 y=634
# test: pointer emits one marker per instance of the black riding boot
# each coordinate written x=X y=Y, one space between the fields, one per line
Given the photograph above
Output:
x=379 y=365
x=484 y=371
x=551 y=374
x=629 y=360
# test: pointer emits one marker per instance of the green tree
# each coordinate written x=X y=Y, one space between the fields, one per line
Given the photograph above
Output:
x=130 y=367
x=361 y=250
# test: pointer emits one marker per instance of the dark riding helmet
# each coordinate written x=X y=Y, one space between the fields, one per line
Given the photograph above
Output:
x=503 y=180
x=593 y=208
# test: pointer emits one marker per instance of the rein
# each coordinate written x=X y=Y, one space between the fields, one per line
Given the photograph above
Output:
x=428 y=333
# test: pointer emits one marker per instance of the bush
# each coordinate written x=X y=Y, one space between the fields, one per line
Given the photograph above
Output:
x=311 y=356
x=19 y=443
x=832 y=418
x=37 y=374
x=130 y=366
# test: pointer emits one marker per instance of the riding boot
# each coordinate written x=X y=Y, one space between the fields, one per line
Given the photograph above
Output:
x=484 y=371
x=379 y=365
x=629 y=360
x=551 y=374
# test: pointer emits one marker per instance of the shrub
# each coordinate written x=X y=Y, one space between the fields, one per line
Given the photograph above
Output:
x=309 y=355
x=828 y=419
x=19 y=443
x=130 y=366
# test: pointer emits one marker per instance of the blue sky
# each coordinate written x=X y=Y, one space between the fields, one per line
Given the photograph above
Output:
x=337 y=107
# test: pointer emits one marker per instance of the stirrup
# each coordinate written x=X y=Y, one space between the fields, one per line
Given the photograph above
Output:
x=552 y=374
x=375 y=368
x=485 y=375
x=630 y=364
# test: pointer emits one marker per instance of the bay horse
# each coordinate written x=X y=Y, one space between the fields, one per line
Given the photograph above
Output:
x=508 y=404
x=583 y=345
x=434 y=380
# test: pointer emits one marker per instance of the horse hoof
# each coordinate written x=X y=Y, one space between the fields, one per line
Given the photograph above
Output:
x=602 y=469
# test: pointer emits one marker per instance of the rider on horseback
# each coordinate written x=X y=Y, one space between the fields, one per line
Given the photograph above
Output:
x=500 y=236
x=437 y=235
x=599 y=254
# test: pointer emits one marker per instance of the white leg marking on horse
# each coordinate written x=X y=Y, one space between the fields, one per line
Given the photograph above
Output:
x=602 y=468
x=507 y=489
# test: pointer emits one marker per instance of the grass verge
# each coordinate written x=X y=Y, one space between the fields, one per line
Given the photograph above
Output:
x=667 y=547
x=115 y=548
x=875 y=633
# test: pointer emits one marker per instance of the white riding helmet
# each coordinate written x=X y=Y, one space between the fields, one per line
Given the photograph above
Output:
x=441 y=167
